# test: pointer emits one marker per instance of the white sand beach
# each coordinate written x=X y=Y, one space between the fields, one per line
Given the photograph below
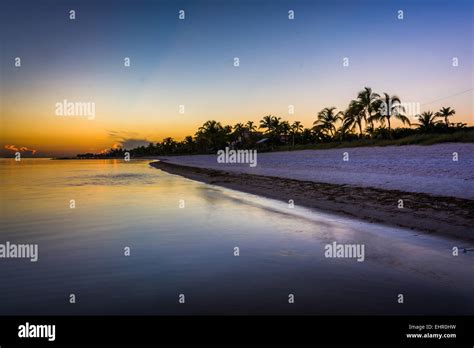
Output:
x=412 y=168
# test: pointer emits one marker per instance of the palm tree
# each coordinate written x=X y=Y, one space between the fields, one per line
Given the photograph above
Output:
x=427 y=121
x=445 y=113
x=238 y=134
x=227 y=133
x=369 y=101
x=210 y=127
x=353 y=116
x=343 y=130
x=283 y=129
x=151 y=149
x=327 y=119
x=250 y=126
x=391 y=106
x=296 y=128
x=188 y=144
x=266 y=123
x=168 y=144
x=307 y=135
x=239 y=129
x=212 y=134
x=271 y=123
x=276 y=123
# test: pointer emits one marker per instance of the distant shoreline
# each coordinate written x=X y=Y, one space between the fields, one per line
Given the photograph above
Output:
x=462 y=136
x=448 y=216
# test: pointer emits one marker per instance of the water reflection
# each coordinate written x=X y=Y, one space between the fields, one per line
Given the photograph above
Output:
x=190 y=250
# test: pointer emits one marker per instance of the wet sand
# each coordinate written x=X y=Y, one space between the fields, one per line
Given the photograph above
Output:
x=421 y=212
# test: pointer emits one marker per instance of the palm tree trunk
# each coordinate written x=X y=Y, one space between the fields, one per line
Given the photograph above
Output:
x=371 y=122
x=389 y=128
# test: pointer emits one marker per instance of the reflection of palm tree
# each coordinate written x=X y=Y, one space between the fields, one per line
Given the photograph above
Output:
x=427 y=121
x=391 y=106
x=353 y=116
x=445 y=113
x=369 y=101
x=327 y=119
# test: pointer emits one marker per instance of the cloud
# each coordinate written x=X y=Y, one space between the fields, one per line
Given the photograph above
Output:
x=127 y=140
x=132 y=143
x=22 y=149
x=121 y=134
x=112 y=133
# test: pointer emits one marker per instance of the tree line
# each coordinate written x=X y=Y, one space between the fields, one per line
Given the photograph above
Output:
x=369 y=116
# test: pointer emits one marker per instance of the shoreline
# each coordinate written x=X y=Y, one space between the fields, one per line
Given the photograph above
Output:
x=448 y=216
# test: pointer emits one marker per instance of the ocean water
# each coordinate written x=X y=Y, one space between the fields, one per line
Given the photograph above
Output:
x=189 y=250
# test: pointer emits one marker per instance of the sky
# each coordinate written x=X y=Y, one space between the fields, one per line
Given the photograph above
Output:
x=190 y=62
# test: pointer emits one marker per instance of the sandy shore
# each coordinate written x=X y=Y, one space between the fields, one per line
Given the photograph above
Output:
x=423 y=212
x=410 y=168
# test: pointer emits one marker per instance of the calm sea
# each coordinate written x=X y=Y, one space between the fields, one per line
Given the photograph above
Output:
x=182 y=237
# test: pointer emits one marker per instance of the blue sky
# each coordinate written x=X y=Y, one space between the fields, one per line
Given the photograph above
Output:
x=190 y=62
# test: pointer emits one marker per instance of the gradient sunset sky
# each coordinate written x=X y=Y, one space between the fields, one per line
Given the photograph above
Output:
x=190 y=62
